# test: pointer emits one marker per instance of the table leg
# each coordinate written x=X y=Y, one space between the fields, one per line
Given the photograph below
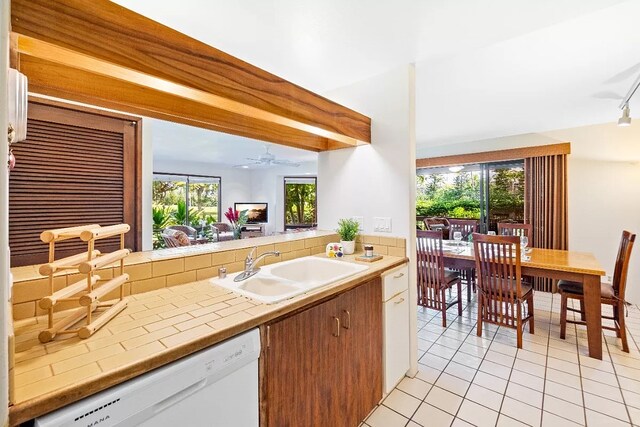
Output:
x=593 y=312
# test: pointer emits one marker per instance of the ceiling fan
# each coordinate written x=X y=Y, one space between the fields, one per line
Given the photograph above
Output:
x=267 y=159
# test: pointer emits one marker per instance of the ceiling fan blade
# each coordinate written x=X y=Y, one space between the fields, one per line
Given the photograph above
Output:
x=247 y=164
x=286 y=163
x=624 y=74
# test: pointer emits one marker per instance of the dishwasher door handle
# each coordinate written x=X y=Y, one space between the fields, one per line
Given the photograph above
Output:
x=179 y=396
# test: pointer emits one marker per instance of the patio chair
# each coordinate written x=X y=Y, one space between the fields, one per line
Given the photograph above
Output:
x=433 y=281
x=610 y=294
x=466 y=227
x=515 y=229
x=502 y=297
x=437 y=224
x=222 y=231
x=175 y=238
x=189 y=231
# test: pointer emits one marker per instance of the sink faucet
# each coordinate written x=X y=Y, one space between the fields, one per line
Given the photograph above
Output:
x=250 y=264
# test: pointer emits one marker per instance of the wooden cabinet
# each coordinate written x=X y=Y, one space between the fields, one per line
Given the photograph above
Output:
x=323 y=366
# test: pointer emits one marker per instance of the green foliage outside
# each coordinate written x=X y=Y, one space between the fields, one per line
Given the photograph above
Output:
x=169 y=206
x=461 y=198
x=300 y=203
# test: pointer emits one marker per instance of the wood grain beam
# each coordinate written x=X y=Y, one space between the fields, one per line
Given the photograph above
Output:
x=495 y=156
x=60 y=81
x=112 y=40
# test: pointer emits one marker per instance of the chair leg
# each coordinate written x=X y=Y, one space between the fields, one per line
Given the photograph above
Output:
x=479 y=325
x=563 y=316
x=443 y=304
x=519 y=325
x=622 y=329
x=532 y=313
x=459 y=297
x=582 y=314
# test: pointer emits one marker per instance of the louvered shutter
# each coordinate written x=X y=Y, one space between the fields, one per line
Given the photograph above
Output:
x=74 y=168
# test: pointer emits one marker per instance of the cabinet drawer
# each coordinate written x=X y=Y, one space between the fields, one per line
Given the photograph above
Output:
x=395 y=281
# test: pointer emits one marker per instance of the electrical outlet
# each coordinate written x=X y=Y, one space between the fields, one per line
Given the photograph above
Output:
x=382 y=224
x=360 y=220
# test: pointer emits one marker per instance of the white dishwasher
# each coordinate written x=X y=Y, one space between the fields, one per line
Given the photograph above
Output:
x=395 y=305
x=216 y=387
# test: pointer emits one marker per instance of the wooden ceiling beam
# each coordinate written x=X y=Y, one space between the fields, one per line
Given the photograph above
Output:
x=108 y=40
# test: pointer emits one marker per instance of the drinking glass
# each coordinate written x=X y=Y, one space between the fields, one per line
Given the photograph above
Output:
x=457 y=236
x=491 y=233
x=524 y=242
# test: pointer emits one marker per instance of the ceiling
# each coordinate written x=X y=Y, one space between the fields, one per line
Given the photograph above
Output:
x=483 y=69
x=173 y=141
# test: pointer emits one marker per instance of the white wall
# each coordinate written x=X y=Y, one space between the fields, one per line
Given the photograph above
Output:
x=603 y=187
x=147 y=188
x=4 y=211
x=604 y=199
x=267 y=185
x=377 y=179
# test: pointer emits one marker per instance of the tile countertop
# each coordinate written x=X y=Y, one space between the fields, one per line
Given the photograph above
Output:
x=156 y=328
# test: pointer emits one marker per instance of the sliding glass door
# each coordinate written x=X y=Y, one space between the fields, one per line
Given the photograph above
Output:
x=488 y=192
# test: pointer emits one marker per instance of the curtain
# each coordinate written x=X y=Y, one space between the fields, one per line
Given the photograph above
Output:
x=546 y=205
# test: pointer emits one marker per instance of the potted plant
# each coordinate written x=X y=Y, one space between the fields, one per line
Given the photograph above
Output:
x=237 y=220
x=348 y=230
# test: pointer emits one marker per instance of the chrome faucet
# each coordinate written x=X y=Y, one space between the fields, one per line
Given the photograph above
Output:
x=250 y=264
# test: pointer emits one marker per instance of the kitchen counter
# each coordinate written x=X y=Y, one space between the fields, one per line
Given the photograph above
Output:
x=156 y=328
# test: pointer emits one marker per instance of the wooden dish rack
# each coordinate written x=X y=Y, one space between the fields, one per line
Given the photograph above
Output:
x=85 y=292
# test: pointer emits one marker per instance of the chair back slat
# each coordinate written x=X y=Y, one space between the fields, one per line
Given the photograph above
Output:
x=430 y=261
x=511 y=229
x=465 y=226
x=622 y=264
x=498 y=271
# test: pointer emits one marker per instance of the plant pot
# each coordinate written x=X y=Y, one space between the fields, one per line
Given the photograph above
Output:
x=348 y=247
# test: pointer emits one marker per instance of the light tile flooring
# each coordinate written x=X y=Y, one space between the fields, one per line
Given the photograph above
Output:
x=465 y=380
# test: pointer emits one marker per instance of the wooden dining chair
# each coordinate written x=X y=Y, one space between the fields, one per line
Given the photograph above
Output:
x=501 y=293
x=514 y=229
x=465 y=226
x=610 y=294
x=433 y=280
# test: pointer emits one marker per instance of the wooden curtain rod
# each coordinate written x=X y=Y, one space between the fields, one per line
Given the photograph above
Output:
x=495 y=156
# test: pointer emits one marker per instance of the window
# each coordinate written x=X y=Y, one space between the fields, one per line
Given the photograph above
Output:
x=489 y=192
x=184 y=200
x=299 y=202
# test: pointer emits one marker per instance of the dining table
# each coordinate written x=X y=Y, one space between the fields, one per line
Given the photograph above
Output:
x=553 y=264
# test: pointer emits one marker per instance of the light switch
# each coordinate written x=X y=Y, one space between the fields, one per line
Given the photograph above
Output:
x=360 y=220
x=382 y=224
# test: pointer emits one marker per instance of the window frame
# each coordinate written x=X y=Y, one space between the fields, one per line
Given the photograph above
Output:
x=284 y=200
x=186 y=192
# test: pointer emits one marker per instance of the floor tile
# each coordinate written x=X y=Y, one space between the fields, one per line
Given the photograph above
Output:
x=460 y=371
x=598 y=419
x=476 y=414
x=505 y=421
x=524 y=394
x=385 y=417
x=443 y=399
x=452 y=384
x=491 y=382
x=521 y=411
x=430 y=416
x=552 y=420
x=606 y=406
x=415 y=387
x=402 y=402
x=564 y=409
x=496 y=369
x=527 y=380
x=428 y=374
x=485 y=397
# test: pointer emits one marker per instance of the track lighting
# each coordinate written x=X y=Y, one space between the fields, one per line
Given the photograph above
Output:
x=625 y=120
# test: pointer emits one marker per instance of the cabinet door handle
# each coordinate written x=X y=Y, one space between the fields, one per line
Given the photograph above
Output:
x=337 y=331
x=400 y=301
x=397 y=276
x=347 y=324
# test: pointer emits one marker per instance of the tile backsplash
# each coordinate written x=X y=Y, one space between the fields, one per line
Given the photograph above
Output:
x=149 y=271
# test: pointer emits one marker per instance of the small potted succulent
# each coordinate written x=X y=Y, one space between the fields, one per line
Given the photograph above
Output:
x=348 y=231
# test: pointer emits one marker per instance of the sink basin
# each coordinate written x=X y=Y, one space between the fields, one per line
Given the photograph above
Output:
x=267 y=287
x=314 y=269
x=284 y=280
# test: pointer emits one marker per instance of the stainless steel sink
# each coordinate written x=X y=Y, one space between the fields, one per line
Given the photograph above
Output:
x=277 y=282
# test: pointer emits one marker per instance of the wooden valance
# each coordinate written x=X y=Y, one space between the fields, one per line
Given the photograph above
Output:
x=495 y=156
x=101 y=53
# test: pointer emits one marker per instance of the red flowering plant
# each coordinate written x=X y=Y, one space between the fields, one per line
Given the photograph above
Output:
x=237 y=219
